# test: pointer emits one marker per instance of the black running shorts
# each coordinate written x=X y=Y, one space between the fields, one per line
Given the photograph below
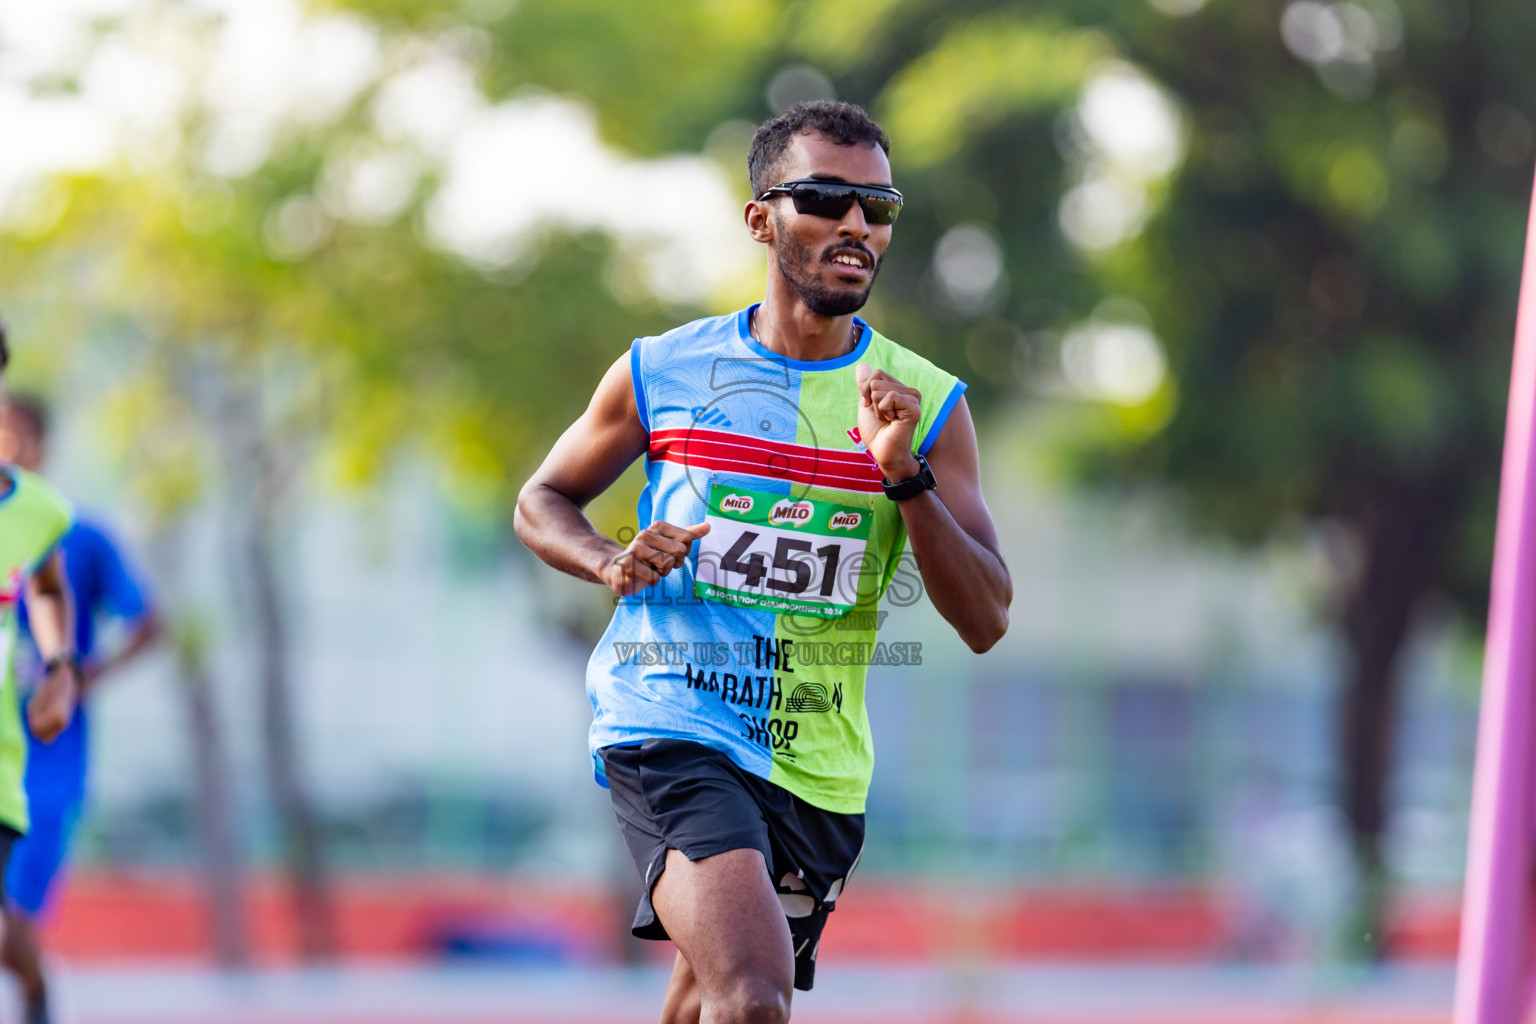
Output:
x=679 y=795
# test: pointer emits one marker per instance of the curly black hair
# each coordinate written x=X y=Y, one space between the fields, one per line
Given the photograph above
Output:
x=846 y=124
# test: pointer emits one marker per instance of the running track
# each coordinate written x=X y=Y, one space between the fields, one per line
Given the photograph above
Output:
x=1035 y=994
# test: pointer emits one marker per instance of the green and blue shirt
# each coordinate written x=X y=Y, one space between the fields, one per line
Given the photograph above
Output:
x=33 y=519
x=760 y=644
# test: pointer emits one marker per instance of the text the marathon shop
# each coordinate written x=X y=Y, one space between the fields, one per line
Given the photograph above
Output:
x=764 y=653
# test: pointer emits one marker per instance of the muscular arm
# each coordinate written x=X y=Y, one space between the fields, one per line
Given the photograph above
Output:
x=955 y=543
x=584 y=463
x=950 y=529
x=51 y=620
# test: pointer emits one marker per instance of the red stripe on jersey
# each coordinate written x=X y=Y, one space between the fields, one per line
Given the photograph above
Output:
x=721 y=451
x=724 y=437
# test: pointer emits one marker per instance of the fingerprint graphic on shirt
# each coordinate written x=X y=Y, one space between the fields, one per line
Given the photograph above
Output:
x=808 y=697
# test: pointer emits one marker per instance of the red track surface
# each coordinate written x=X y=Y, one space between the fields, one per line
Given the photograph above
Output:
x=116 y=916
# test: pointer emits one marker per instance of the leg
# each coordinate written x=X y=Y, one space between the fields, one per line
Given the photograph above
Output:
x=726 y=919
x=20 y=953
x=34 y=866
x=682 y=1005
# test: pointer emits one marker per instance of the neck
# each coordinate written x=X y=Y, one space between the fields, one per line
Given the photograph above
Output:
x=784 y=326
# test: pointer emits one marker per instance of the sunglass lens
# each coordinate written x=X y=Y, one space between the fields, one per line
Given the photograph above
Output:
x=823 y=200
x=879 y=209
x=833 y=199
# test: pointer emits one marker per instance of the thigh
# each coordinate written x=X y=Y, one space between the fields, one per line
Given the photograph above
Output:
x=676 y=795
x=724 y=914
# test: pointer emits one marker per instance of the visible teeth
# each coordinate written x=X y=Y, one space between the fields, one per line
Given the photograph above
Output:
x=848 y=260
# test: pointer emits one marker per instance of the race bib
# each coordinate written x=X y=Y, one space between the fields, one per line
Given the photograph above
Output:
x=782 y=553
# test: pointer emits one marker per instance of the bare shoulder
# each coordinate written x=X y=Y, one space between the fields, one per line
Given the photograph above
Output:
x=614 y=398
x=955 y=451
x=604 y=440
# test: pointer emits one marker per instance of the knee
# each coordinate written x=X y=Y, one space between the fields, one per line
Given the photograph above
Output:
x=686 y=1008
x=757 y=1001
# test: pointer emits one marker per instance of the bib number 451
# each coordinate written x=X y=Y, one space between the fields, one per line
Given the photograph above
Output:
x=789 y=555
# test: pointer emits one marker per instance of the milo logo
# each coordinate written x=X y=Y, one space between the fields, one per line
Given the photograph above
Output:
x=790 y=513
x=846 y=521
x=736 y=503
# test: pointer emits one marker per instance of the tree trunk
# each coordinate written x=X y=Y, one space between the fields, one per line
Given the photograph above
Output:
x=212 y=797
x=301 y=837
x=1405 y=536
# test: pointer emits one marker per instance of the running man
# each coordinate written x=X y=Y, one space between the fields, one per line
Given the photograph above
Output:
x=33 y=520
x=791 y=453
x=102 y=586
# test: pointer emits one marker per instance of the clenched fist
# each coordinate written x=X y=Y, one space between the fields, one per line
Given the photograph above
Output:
x=53 y=703
x=888 y=415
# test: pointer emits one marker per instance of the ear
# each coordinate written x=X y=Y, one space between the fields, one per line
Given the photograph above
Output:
x=759 y=222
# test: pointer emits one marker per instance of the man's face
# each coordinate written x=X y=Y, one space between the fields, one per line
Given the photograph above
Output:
x=807 y=248
x=19 y=443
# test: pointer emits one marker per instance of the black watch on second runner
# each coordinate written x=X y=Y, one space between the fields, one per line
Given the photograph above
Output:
x=912 y=486
x=69 y=658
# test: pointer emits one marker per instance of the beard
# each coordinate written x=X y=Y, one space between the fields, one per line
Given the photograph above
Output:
x=799 y=266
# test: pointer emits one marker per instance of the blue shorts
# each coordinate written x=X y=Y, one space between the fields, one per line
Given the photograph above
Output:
x=38 y=856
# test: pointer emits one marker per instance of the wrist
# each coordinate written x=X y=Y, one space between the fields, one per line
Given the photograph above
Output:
x=605 y=559
x=61 y=660
x=904 y=467
x=911 y=485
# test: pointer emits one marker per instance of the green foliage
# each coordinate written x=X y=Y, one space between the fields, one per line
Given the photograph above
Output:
x=1364 y=253
x=373 y=342
x=660 y=75
x=981 y=74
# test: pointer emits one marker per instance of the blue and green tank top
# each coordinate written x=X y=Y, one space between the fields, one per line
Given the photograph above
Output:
x=33 y=519
x=760 y=644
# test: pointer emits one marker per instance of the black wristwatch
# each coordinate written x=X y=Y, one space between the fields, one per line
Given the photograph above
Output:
x=68 y=658
x=912 y=486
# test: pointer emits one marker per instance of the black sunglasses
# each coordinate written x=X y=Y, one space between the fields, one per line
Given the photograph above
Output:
x=833 y=198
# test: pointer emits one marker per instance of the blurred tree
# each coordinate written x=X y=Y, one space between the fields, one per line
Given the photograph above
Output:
x=146 y=426
x=274 y=338
x=1335 y=273
x=193 y=313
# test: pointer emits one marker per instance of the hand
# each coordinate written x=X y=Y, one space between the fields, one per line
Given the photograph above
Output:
x=655 y=551
x=53 y=703
x=888 y=416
